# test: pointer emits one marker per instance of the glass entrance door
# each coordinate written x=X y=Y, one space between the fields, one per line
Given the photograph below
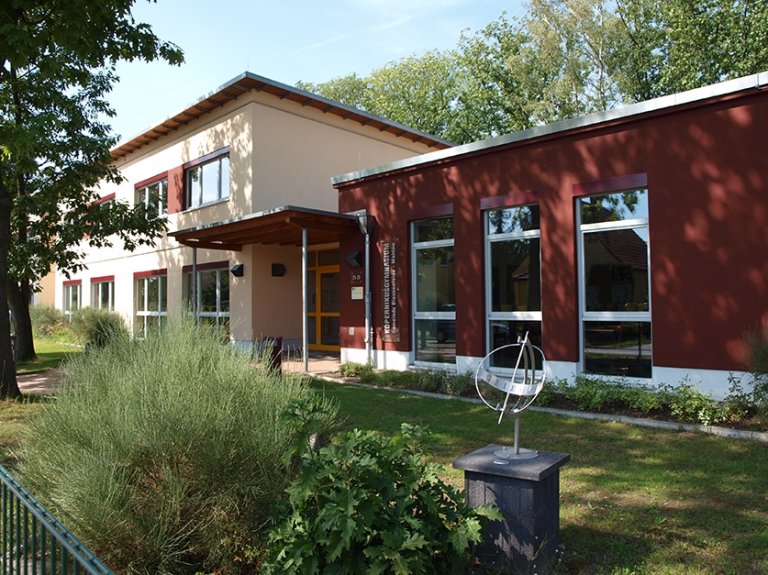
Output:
x=323 y=317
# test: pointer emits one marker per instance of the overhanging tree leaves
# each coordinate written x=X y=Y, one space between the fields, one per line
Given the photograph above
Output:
x=57 y=63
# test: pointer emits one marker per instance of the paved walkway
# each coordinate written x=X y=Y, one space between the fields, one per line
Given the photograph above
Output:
x=42 y=383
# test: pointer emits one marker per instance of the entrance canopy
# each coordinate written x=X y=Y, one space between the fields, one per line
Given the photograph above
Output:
x=282 y=226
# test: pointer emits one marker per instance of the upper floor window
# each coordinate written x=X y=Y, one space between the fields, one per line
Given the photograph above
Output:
x=154 y=197
x=207 y=180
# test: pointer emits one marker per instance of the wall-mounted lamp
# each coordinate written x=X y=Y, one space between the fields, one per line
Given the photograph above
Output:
x=278 y=270
x=354 y=259
x=238 y=270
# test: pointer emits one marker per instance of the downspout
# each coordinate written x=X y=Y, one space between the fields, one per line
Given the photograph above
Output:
x=304 y=306
x=193 y=287
x=362 y=221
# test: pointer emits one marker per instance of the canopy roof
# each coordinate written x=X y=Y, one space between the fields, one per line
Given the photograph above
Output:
x=282 y=226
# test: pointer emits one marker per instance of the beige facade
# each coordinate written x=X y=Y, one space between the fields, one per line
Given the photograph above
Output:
x=283 y=146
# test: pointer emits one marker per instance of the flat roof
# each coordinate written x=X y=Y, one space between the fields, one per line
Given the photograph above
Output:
x=282 y=226
x=753 y=83
x=247 y=82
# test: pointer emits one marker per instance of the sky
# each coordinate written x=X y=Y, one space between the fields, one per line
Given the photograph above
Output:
x=283 y=40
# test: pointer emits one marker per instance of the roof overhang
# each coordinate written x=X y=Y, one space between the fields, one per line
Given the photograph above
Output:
x=247 y=82
x=281 y=226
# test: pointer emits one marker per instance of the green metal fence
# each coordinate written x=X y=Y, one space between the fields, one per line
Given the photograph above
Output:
x=32 y=542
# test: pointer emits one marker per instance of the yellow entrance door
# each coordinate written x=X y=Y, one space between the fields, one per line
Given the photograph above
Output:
x=323 y=317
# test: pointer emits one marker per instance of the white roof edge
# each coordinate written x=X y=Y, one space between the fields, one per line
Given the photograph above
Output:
x=251 y=75
x=755 y=81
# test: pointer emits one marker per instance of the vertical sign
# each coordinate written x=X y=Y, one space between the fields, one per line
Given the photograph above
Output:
x=389 y=258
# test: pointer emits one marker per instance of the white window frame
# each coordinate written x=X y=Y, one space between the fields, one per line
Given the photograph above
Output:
x=427 y=315
x=96 y=289
x=223 y=184
x=219 y=315
x=142 y=315
x=490 y=239
x=608 y=316
x=142 y=196
x=68 y=288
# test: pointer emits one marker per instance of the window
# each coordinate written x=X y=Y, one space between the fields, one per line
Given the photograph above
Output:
x=103 y=293
x=514 y=287
x=207 y=180
x=434 y=318
x=615 y=284
x=154 y=197
x=71 y=302
x=212 y=297
x=151 y=301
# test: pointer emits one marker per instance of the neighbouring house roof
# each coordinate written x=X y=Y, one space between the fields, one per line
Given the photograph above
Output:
x=247 y=82
x=282 y=226
x=699 y=96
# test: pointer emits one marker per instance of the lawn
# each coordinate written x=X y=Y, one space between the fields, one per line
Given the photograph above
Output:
x=633 y=500
x=49 y=355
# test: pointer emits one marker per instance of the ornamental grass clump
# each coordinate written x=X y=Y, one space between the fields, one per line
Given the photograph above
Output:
x=167 y=455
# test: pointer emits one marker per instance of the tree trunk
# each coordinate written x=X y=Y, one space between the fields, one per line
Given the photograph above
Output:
x=19 y=296
x=9 y=388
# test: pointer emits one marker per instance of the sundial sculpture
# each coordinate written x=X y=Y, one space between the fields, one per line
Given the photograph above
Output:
x=512 y=395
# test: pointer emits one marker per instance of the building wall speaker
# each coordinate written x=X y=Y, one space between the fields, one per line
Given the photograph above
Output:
x=238 y=270
x=278 y=270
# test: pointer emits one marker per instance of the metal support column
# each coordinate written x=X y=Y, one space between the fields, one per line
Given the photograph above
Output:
x=193 y=287
x=304 y=304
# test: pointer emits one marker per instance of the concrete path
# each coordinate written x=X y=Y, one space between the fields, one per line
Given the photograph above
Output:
x=42 y=383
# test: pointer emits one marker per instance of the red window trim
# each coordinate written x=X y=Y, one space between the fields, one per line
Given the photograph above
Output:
x=72 y=282
x=221 y=265
x=207 y=158
x=104 y=199
x=150 y=181
x=511 y=200
x=150 y=273
x=101 y=279
x=608 y=185
x=438 y=211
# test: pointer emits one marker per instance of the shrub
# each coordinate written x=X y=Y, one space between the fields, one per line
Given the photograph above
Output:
x=459 y=385
x=49 y=322
x=689 y=404
x=352 y=369
x=593 y=394
x=97 y=327
x=642 y=399
x=370 y=504
x=167 y=455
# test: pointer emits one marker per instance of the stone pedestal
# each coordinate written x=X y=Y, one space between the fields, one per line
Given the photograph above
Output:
x=527 y=491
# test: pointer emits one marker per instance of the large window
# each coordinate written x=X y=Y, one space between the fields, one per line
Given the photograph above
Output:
x=71 y=302
x=103 y=293
x=212 y=289
x=434 y=318
x=154 y=197
x=207 y=181
x=615 y=284
x=151 y=301
x=514 y=286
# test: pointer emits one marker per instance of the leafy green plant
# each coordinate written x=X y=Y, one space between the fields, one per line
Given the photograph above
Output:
x=459 y=384
x=641 y=398
x=593 y=393
x=370 y=504
x=49 y=322
x=169 y=452
x=689 y=404
x=97 y=327
x=352 y=369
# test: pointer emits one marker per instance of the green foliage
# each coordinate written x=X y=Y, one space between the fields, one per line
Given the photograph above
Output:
x=689 y=404
x=562 y=59
x=352 y=369
x=50 y=322
x=97 y=327
x=168 y=454
x=593 y=394
x=459 y=385
x=370 y=504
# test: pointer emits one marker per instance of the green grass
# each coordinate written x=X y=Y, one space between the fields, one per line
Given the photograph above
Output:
x=50 y=354
x=633 y=500
x=14 y=420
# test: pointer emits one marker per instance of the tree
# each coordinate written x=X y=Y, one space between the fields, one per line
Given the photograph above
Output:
x=57 y=63
x=562 y=59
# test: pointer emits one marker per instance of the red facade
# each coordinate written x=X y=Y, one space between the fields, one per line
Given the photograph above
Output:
x=705 y=165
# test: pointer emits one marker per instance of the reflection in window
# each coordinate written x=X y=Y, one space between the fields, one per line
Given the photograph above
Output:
x=154 y=197
x=615 y=284
x=208 y=182
x=151 y=303
x=618 y=348
x=103 y=295
x=435 y=297
x=71 y=301
x=212 y=297
x=514 y=286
